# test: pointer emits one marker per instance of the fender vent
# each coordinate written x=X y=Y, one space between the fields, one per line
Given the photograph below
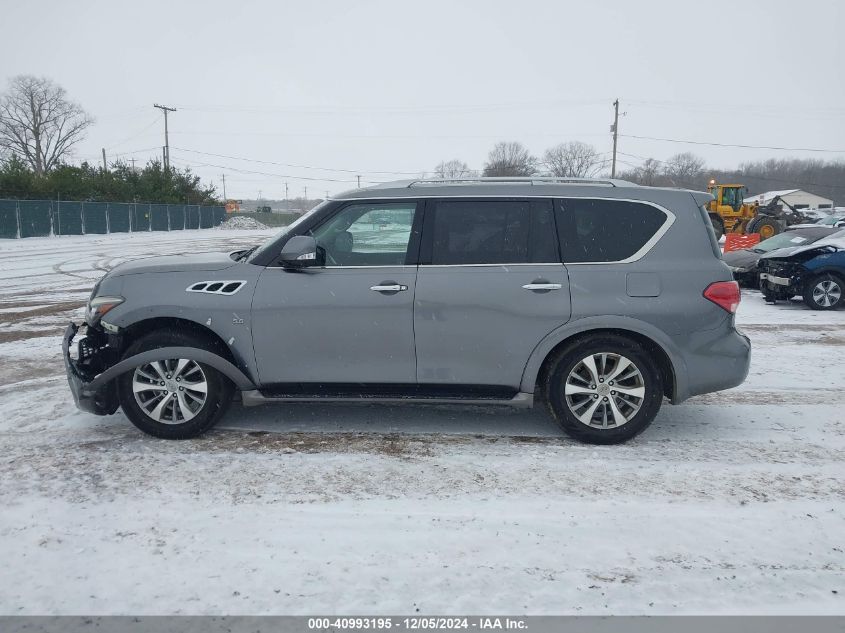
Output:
x=222 y=287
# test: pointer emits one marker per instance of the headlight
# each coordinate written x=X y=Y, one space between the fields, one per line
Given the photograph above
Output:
x=98 y=306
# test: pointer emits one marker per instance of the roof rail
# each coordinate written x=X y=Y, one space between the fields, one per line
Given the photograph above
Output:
x=519 y=180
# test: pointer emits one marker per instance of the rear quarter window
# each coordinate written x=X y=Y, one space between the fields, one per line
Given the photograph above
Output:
x=593 y=230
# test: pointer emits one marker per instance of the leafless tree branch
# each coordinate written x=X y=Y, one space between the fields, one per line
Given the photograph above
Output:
x=572 y=160
x=454 y=169
x=510 y=159
x=38 y=123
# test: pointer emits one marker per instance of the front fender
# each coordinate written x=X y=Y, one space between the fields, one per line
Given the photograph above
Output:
x=587 y=324
x=242 y=382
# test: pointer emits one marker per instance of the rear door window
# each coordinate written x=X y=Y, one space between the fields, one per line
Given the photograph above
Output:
x=593 y=230
x=465 y=232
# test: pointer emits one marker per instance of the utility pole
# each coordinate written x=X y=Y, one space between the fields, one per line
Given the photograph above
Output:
x=615 y=130
x=133 y=164
x=105 y=166
x=224 y=187
x=165 y=109
x=306 y=195
x=287 y=204
x=359 y=181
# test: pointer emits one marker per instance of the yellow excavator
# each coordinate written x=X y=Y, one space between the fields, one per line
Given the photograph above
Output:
x=729 y=212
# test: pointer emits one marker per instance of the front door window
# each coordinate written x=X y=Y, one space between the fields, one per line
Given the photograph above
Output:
x=367 y=235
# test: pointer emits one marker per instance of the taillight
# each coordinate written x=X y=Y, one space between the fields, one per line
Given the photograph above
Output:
x=724 y=294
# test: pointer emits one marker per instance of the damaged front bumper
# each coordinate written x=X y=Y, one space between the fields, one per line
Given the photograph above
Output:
x=100 y=399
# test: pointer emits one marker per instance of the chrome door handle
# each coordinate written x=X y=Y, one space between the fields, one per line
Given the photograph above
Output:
x=537 y=286
x=389 y=288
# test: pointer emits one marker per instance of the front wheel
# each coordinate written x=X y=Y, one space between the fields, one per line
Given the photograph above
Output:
x=177 y=398
x=605 y=390
x=824 y=292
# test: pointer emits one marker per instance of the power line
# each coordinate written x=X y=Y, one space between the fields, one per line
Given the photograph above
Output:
x=387 y=137
x=270 y=162
x=686 y=142
x=134 y=136
x=264 y=173
x=414 y=109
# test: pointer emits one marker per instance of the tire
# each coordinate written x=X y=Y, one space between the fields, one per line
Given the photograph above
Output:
x=157 y=390
x=765 y=225
x=718 y=226
x=598 y=400
x=825 y=292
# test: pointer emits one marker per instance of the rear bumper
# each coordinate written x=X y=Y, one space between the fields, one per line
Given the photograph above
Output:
x=716 y=360
x=101 y=400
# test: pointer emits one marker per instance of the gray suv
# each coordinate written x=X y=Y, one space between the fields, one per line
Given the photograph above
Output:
x=597 y=297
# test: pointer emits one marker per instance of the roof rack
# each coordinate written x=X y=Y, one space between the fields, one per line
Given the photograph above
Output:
x=517 y=180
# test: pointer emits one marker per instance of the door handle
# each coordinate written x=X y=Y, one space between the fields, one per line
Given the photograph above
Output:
x=388 y=287
x=542 y=286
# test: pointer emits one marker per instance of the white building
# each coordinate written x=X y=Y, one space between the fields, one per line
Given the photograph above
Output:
x=798 y=198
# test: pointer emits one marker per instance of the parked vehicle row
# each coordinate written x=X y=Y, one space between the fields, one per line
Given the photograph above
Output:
x=744 y=262
x=806 y=261
x=815 y=272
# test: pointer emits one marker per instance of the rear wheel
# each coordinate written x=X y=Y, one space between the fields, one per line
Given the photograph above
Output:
x=605 y=390
x=176 y=398
x=824 y=292
x=765 y=225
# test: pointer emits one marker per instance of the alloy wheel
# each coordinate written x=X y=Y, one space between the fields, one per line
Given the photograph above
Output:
x=827 y=293
x=170 y=391
x=605 y=390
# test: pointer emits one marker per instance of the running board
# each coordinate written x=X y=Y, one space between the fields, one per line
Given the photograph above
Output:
x=254 y=397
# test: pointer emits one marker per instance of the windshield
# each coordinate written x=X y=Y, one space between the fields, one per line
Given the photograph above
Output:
x=830 y=220
x=272 y=240
x=783 y=240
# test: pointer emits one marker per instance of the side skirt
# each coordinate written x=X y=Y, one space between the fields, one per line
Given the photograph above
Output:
x=255 y=397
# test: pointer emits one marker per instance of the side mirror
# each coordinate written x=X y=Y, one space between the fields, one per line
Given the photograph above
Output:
x=299 y=251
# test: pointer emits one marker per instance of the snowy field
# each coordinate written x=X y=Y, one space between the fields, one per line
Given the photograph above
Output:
x=729 y=503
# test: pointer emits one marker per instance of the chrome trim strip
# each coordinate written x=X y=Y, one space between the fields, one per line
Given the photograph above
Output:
x=542 y=286
x=644 y=250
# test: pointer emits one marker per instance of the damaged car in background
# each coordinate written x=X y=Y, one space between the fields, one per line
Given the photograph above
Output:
x=815 y=272
x=743 y=261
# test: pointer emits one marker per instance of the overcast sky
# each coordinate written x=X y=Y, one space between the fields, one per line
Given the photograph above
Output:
x=394 y=86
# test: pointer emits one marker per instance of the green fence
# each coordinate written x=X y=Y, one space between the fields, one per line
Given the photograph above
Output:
x=39 y=218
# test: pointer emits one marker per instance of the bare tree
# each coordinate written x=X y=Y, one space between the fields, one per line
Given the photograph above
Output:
x=38 y=123
x=572 y=160
x=648 y=173
x=685 y=170
x=510 y=159
x=453 y=169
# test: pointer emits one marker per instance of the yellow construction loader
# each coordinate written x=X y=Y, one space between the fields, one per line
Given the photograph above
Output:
x=729 y=212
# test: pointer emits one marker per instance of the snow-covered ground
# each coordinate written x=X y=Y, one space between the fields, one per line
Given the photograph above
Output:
x=730 y=503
